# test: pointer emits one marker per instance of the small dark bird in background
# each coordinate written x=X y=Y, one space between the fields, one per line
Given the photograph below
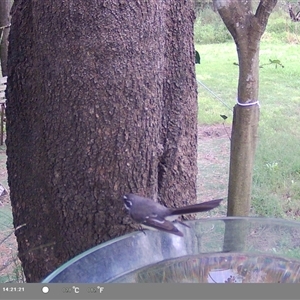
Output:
x=197 y=57
x=153 y=215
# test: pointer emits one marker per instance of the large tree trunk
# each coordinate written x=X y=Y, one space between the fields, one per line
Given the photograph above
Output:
x=5 y=6
x=101 y=101
x=246 y=29
x=177 y=164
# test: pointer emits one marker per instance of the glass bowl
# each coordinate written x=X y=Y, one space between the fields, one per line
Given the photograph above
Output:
x=223 y=250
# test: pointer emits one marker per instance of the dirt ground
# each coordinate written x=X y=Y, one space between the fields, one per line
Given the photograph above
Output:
x=213 y=158
x=213 y=162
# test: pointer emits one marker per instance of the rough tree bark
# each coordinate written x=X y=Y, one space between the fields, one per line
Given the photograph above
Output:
x=5 y=6
x=246 y=28
x=101 y=100
x=177 y=168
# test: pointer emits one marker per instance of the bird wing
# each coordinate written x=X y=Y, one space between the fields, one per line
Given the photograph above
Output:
x=161 y=224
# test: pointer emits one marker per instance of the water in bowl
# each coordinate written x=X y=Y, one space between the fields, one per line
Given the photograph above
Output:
x=218 y=268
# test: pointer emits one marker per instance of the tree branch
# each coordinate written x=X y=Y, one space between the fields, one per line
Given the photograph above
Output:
x=239 y=19
x=263 y=12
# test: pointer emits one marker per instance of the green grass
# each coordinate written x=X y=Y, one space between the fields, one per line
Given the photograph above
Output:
x=276 y=182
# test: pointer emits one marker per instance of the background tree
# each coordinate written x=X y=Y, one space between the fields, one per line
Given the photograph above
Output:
x=101 y=100
x=246 y=29
x=5 y=6
x=202 y=4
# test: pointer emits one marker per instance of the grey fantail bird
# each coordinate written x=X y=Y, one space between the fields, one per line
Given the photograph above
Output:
x=153 y=215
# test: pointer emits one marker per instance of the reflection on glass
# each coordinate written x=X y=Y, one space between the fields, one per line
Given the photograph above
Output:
x=227 y=268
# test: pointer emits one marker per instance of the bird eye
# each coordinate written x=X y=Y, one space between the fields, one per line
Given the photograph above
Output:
x=127 y=203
